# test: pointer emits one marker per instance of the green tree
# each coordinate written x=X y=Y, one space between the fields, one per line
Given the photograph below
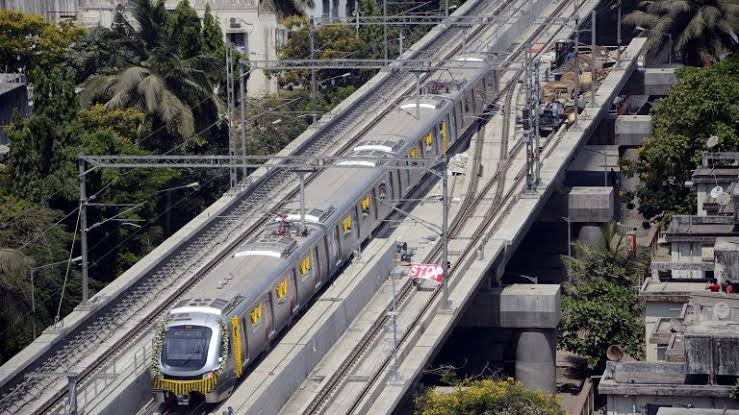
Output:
x=703 y=103
x=40 y=165
x=183 y=30
x=600 y=314
x=600 y=305
x=28 y=42
x=173 y=91
x=212 y=34
x=29 y=237
x=702 y=30
x=504 y=397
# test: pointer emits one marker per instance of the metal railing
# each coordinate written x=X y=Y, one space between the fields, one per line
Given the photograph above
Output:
x=96 y=388
x=585 y=403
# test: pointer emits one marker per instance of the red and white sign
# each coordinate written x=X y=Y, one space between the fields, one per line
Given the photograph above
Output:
x=431 y=272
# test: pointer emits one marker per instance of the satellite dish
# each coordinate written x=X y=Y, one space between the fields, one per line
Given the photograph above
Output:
x=614 y=353
x=721 y=311
x=724 y=199
x=716 y=192
x=712 y=141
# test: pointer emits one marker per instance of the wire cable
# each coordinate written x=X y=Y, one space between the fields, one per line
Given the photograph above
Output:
x=69 y=265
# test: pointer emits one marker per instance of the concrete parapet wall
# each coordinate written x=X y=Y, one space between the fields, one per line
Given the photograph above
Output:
x=632 y=129
x=580 y=204
x=515 y=306
x=651 y=81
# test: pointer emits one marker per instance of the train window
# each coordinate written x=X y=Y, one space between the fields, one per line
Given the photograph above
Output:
x=256 y=315
x=365 y=205
x=281 y=289
x=305 y=265
x=346 y=225
x=428 y=139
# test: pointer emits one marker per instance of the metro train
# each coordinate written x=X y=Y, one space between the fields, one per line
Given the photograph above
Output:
x=207 y=341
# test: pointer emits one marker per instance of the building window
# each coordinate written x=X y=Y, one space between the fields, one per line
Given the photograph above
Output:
x=326 y=8
x=239 y=40
x=279 y=38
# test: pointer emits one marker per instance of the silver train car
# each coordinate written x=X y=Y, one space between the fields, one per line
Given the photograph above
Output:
x=207 y=342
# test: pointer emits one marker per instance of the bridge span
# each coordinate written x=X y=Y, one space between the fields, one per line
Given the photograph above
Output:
x=103 y=342
x=340 y=359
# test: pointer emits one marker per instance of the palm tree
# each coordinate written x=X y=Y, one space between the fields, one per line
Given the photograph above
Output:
x=171 y=90
x=607 y=260
x=702 y=30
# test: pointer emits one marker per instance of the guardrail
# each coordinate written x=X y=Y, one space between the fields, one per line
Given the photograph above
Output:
x=96 y=388
x=585 y=403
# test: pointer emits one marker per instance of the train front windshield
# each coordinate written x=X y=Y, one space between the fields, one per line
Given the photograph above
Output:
x=186 y=347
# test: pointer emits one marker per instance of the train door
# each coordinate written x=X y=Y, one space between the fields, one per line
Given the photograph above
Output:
x=448 y=131
x=333 y=249
x=238 y=345
x=245 y=339
x=293 y=292
x=316 y=268
x=269 y=318
x=366 y=217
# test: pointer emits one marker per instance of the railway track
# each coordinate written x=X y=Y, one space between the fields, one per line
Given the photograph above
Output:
x=87 y=340
x=332 y=388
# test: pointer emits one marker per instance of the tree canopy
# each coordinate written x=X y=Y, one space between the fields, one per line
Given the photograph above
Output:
x=170 y=78
x=702 y=30
x=28 y=42
x=600 y=305
x=703 y=103
x=487 y=396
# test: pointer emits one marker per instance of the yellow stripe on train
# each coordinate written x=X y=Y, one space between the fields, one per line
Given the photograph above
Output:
x=183 y=387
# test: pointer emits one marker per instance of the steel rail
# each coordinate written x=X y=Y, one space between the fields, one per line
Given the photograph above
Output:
x=319 y=404
x=147 y=321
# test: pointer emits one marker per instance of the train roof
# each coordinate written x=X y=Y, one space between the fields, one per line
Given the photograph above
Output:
x=250 y=270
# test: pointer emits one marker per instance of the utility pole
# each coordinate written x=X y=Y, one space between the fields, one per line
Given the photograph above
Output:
x=537 y=136
x=313 y=86
x=592 y=64
x=394 y=378
x=618 y=34
x=384 y=27
x=577 y=56
x=445 y=303
x=83 y=232
x=242 y=96
x=400 y=41
x=356 y=14
x=231 y=104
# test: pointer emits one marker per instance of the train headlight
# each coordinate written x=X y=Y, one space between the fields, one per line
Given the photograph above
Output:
x=209 y=375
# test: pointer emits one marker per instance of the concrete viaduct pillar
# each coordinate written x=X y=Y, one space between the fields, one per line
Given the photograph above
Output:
x=533 y=312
